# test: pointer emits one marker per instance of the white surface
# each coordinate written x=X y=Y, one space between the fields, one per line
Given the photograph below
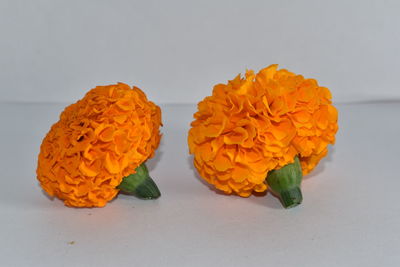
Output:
x=177 y=50
x=350 y=215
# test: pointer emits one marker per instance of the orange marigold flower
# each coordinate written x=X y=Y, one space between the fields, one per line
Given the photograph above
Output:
x=96 y=143
x=259 y=123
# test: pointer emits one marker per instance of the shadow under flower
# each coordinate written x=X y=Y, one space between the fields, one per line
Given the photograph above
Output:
x=321 y=165
x=152 y=163
x=45 y=194
x=200 y=179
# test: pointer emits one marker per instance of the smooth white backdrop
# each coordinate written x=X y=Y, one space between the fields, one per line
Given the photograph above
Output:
x=54 y=51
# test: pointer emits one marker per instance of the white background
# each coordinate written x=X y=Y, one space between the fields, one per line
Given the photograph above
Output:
x=349 y=217
x=177 y=50
x=54 y=51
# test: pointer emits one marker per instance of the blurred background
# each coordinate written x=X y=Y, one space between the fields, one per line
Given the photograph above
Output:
x=54 y=51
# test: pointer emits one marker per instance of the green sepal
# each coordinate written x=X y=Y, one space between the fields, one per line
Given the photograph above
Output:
x=140 y=184
x=285 y=182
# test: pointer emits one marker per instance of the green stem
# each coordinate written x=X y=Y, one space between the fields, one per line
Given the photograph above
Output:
x=285 y=182
x=140 y=184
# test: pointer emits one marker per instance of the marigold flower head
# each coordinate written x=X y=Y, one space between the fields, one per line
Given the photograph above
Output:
x=99 y=140
x=258 y=123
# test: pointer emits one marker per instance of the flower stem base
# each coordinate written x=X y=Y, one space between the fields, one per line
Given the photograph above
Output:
x=285 y=182
x=140 y=184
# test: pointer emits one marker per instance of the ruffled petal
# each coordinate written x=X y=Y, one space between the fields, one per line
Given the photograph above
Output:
x=258 y=123
x=99 y=140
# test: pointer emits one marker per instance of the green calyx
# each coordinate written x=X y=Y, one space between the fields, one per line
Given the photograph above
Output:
x=285 y=182
x=140 y=184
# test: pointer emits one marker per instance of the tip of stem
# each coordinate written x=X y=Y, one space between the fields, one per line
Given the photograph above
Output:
x=147 y=189
x=291 y=198
x=140 y=184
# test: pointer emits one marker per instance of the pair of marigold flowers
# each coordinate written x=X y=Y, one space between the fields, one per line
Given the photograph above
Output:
x=268 y=128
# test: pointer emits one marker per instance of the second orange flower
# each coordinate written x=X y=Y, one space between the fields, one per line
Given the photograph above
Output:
x=259 y=123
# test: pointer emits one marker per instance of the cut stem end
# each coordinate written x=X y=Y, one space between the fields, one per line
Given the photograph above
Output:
x=291 y=198
x=147 y=190
x=285 y=182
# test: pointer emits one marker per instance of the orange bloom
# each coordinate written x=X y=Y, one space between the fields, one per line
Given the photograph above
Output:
x=96 y=143
x=259 y=123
